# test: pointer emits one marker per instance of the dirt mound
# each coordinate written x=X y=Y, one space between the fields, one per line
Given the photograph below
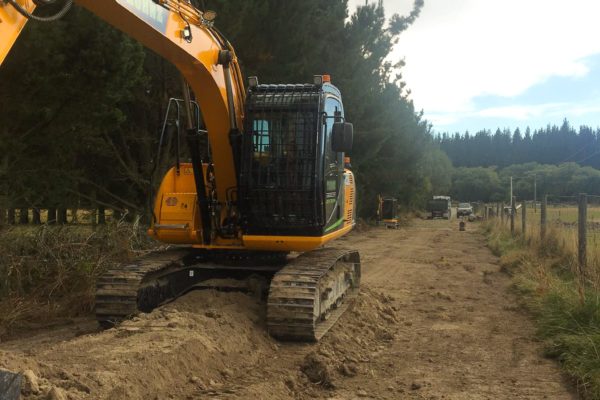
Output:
x=189 y=347
x=206 y=343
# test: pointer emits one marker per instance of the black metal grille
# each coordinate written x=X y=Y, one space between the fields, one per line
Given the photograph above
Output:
x=279 y=173
x=389 y=208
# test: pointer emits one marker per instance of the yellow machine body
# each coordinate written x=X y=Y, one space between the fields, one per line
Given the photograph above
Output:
x=177 y=219
x=11 y=25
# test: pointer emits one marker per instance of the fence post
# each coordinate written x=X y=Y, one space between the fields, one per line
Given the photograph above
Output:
x=61 y=216
x=23 y=216
x=582 y=237
x=513 y=211
x=51 y=216
x=2 y=216
x=101 y=215
x=12 y=216
x=543 y=217
x=524 y=219
x=74 y=216
x=37 y=218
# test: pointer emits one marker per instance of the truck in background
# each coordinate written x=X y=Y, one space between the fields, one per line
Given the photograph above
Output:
x=439 y=207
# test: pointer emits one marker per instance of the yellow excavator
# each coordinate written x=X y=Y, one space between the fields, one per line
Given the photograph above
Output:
x=261 y=199
x=387 y=212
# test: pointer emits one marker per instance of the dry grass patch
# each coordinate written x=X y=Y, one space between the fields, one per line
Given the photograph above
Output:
x=566 y=307
x=48 y=272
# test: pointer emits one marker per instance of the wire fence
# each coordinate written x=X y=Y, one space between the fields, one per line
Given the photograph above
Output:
x=560 y=224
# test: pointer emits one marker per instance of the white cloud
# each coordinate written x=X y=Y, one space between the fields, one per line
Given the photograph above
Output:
x=460 y=49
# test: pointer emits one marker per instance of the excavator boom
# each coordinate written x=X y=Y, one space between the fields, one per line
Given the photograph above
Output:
x=11 y=25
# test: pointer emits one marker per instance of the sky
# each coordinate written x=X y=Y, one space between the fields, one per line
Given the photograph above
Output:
x=488 y=64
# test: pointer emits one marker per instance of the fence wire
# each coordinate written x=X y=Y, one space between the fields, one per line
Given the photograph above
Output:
x=561 y=225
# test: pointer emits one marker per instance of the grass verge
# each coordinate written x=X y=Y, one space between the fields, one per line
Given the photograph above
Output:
x=566 y=308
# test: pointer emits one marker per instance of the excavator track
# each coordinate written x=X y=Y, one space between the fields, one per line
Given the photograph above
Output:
x=118 y=290
x=160 y=277
x=308 y=295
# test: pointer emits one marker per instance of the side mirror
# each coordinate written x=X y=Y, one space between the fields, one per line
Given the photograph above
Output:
x=342 y=137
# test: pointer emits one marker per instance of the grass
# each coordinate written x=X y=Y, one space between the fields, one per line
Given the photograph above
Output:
x=565 y=305
x=49 y=272
x=569 y=214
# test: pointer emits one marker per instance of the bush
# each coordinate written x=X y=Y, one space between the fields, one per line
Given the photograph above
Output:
x=48 y=271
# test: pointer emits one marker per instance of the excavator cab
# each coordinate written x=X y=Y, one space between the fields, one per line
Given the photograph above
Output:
x=292 y=178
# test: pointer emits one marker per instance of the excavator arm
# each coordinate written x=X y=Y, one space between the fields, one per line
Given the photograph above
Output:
x=11 y=25
x=180 y=33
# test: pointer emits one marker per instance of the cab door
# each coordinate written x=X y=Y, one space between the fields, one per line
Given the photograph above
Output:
x=333 y=165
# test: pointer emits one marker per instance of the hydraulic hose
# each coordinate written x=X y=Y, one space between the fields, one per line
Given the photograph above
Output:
x=27 y=14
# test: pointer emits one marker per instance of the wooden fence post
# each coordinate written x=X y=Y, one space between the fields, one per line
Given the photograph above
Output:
x=543 y=217
x=513 y=211
x=582 y=236
x=61 y=216
x=12 y=216
x=51 y=220
x=101 y=215
x=23 y=216
x=74 y=215
x=2 y=216
x=37 y=218
x=524 y=219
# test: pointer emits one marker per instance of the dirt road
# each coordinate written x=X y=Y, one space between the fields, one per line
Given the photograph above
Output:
x=435 y=320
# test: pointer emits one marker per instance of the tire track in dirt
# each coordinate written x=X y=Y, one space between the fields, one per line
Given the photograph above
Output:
x=434 y=320
x=466 y=338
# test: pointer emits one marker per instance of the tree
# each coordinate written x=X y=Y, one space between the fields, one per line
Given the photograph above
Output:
x=476 y=184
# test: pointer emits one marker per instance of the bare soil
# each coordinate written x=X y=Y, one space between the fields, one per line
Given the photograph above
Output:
x=435 y=320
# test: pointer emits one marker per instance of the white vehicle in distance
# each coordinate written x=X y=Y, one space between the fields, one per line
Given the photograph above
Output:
x=464 y=210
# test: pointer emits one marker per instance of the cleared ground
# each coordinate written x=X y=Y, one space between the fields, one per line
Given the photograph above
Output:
x=435 y=320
